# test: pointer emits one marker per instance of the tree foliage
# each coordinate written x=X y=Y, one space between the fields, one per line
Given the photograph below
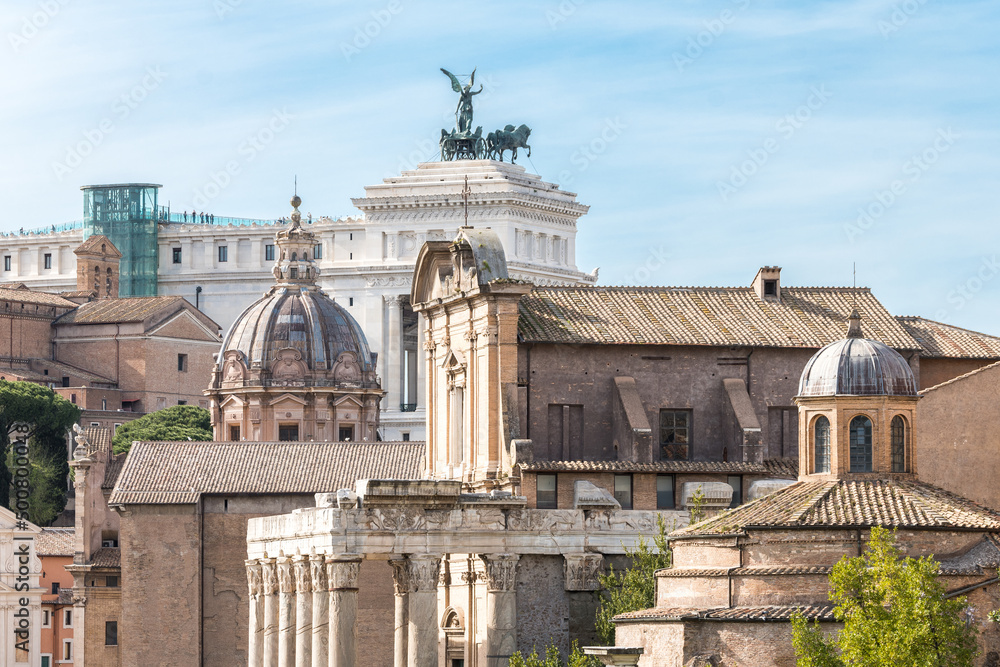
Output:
x=552 y=658
x=894 y=612
x=50 y=417
x=634 y=588
x=180 y=422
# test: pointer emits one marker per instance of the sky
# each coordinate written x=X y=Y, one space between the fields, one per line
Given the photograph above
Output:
x=708 y=137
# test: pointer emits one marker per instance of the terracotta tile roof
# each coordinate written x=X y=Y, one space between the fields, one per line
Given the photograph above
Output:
x=774 y=467
x=731 y=316
x=746 y=571
x=178 y=472
x=944 y=340
x=105 y=311
x=106 y=557
x=98 y=437
x=55 y=542
x=35 y=298
x=823 y=612
x=114 y=469
x=93 y=245
x=851 y=503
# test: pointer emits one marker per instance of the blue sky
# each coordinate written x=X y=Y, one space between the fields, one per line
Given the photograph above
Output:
x=709 y=137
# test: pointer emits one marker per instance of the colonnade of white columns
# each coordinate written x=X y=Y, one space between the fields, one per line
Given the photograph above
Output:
x=303 y=609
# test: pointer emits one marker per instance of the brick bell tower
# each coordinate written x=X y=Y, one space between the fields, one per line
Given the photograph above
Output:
x=97 y=261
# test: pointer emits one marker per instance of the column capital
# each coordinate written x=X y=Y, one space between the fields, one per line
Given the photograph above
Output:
x=393 y=300
x=269 y=575
x=286 y=579
x=342 y=571
x=303 y=575
x=254 y=581
x=581 y=571
x=317 y=567
x=501 y=570
x=400 y=575
x=423 y=572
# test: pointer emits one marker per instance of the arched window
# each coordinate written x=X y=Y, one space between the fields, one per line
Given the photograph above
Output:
x=295 y=256
x=897 y=434
x=821 y=441
x=861 y=444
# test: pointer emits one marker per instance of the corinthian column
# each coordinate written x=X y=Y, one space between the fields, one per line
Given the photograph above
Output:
x=501 y=607
x=401 y=589
x=286 y=613
x=255 y=657
x=303 y=612
x=342 y=572
x=422 y=644
x=320 y=612
x=269 y=575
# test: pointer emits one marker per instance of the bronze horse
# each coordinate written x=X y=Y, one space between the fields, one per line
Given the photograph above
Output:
x=507 y=139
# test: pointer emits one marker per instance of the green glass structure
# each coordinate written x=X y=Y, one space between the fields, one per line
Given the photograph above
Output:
x=127 y=214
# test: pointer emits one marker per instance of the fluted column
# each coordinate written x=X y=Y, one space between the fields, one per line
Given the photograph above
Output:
x=320 y=612
x=501 y=607
x=342 y=572
x=401 y=589
x=392 y=372
x=422 y=642
x=286 y=613
x=303 y=612
x=269 y=575
x=255 y=654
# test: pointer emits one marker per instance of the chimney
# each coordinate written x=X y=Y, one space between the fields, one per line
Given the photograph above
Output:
x=767 y=283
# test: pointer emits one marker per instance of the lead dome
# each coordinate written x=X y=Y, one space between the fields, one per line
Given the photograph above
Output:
x=856 y=366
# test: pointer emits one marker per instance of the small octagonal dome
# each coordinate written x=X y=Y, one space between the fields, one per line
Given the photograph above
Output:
x=857 y=366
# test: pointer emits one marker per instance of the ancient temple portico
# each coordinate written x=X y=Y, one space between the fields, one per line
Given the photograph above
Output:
x=303 y=567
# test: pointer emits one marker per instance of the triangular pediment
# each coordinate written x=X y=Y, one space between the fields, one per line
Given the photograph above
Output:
x=287 y=398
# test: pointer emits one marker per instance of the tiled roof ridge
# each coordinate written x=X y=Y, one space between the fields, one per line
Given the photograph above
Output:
x=718 y=288
x=762 y=613
x=923 y=392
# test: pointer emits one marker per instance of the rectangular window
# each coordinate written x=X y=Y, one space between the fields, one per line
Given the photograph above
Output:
x=67 y=618
x=182 y=362
x=350 y=301
x=177 y=255
x=234 y=432
x=72 y=399
x=623 y=491
x=288 y=432
x=675 y=435
x=114 y=429
x=406 y=437
x=352 y=236
x=293 y=273
x=545 y=492
x=318 y=251
x=6 y=262
x=65 y=381
x=182 y=402
x=269 y=252
x=664 y=492
x=351 y=256
x=223 y=253
x=47 y=260
x=346 y=433
x=104 y=404
x=111 y=633
x=55 y=588
x=67 y=652
x=46 y=618
x=770 y=288
x=46 y=660
x=736 y=481
x=111 y=582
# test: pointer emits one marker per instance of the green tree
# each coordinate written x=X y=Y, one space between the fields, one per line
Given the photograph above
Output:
x=49 y=417
x=634 y=588
x=180 y=422
x=552 y=658
x=894 y=612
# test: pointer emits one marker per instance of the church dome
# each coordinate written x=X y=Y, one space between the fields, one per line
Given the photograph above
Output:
x=295 y=334
x=857 y=366
x=302 y=318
